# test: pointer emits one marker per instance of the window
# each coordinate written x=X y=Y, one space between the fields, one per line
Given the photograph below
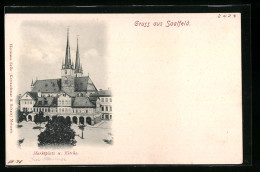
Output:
x=110 y=108
x=110 y=99
x=106 y=108
x=102 y=108
x=106 y=99
x=25 y=102
x=62 y=109
x=102 y=99
x=86 y=111
x=30 y=102
x=65 y=71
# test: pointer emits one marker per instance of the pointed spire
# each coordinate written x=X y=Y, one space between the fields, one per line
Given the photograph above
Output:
x=77 y=63
x=67 y=56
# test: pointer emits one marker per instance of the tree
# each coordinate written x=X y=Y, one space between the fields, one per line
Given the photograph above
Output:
x=58 y=132
x=20 y=117
x=81 y=127
x=39 y=119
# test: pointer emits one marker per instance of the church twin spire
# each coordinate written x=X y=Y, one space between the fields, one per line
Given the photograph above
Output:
x=78 y=67
x=68 y=62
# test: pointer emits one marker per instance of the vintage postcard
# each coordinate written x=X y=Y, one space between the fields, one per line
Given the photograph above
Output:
x=97 y=89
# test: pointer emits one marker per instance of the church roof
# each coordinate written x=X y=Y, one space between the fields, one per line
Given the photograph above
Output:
x=84 y=84
x=47 y=86
x=82 y=102
x=46 y=102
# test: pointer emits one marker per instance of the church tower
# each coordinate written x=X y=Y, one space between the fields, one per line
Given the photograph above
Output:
x=67 y=70
x=78 y=68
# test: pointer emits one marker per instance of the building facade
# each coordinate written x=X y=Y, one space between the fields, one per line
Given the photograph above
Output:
x=70 y=96
x=105 y=97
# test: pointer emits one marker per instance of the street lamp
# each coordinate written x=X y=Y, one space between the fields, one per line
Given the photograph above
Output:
x=81 y=127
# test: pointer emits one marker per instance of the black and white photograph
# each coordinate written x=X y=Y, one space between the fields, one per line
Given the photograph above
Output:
x=62 y=106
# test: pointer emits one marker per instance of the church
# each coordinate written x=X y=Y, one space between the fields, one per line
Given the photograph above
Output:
x=68 y=96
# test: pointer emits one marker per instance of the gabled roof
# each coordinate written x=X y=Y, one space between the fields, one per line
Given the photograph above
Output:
x=72 y=94
x=34 y=95
x=82 y=102
x=83 y=84
x=102 y=93
x=46 y=102
x=47 y=86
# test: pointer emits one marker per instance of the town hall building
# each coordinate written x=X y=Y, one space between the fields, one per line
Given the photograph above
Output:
x=73 y=96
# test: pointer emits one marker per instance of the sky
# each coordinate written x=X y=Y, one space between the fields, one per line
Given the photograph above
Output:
x=44 y=44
